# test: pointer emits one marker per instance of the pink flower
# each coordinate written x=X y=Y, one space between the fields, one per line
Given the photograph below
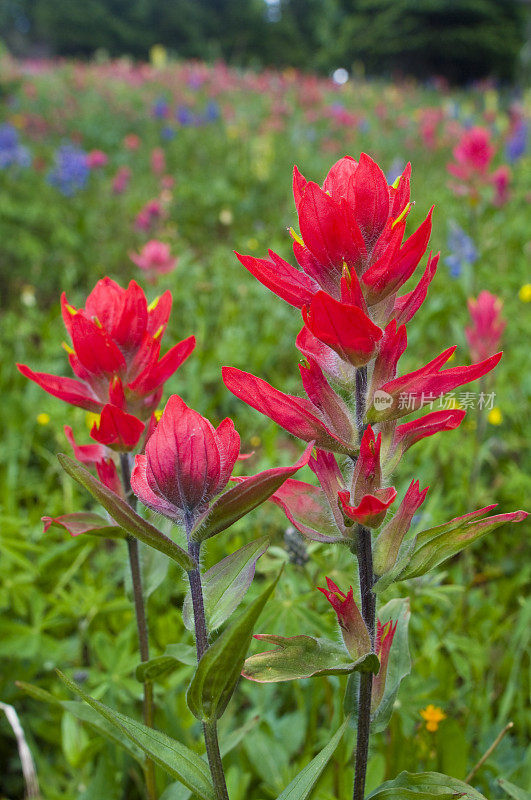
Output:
x=158 y=160
x=96 y=159
x=473 y=153
x=154 y=258
x=132 y=141
x=501 y=179
x=121 y=180
x=485 y=333
x=148 y=215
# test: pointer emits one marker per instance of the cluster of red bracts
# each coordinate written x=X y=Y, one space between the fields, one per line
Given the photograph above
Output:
x=356 y=637
x=115 y=356
x=353 y=260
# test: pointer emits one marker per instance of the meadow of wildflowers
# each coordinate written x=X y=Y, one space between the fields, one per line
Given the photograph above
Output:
x=123 y=183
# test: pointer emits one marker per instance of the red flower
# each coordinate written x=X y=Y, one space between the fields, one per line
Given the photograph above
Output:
x=371 y=509
x=343 y=327
x=115 y=351
x=415 y=389
x=188 y=463
x=117 y=429
x=299 y=416
x=391 y=536
x=484 y=335
x=352 y=226
x=353 y=629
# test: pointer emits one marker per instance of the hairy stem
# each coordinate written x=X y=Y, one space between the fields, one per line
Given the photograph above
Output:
x=201 y=642
x=141 y=622
x=368 y=611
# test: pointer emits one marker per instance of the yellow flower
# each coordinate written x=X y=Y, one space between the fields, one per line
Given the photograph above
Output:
x=158 y=56
x=253 y=244
x=525 y=293
x=225 y=216
x=495 y=416
x=433 y=715
x=255 y=441
x=43 y=418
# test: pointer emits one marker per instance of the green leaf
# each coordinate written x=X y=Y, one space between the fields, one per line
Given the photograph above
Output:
x=218 y=671
x=452 y=745
x=436 y=545
x=424 y=785
x=175 y=758
x=303 y=783
x=303 y=657
x=85 y=714
x=173 y=657
x=399 y=664
x=225 y=584
x=124 y=515
x=241 y=499
x=514 y=791
x=85 y=522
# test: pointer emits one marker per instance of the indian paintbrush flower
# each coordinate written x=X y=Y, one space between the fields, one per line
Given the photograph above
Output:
x=382 y=646
x=485 y=333
x=154 y=259
x=187 y=463
x=115 y=351
x=353 y=629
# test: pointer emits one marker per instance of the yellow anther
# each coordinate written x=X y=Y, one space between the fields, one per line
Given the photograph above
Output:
x=402 y=215
x=395 y=183
x=159 y=333
x=152 y=306
x=297 y=237
x=69 y=350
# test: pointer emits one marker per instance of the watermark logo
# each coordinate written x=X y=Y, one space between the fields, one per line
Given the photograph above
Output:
x=382 y=400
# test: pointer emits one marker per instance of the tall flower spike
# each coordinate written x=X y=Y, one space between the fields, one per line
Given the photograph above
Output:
x=353 y=629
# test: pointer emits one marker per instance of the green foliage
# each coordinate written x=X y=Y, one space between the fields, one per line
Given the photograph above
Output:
x=65 y=602
x=460 y=39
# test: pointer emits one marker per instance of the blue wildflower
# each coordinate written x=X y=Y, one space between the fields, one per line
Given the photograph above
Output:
x=516 y=146
x=212 y=112
x=71 y=170
x=11 y=151
x=167 y=132
x=160 y=108
x=462 y=250
x=184 y=116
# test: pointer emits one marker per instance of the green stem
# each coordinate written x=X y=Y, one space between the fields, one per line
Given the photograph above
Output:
x=141 y=623
x=368 y=611
x=201 y=642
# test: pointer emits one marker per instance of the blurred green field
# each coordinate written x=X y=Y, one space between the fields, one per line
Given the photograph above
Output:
x=231 y=157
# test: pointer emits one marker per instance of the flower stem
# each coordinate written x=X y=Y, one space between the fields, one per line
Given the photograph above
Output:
x=201 y=642
x=141 y=623
x=368 y=611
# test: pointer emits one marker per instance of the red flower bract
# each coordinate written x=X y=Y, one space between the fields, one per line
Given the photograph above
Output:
x=115 y=351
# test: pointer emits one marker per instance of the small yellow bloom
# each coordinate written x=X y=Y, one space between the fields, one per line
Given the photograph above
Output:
x=158 y=56
x=225 y=216
x=255 y=441
x=253 y=244
x=91 y=419
x=525 y=293
x=43 y=418
x=495 y=416
x=433 y=715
